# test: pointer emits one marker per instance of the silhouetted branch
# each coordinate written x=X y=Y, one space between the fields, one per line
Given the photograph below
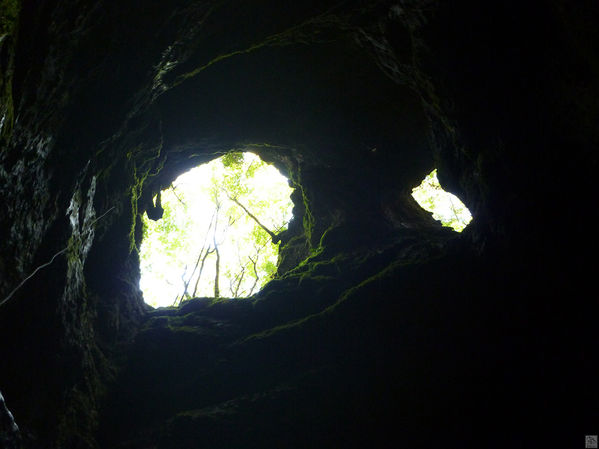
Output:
x=272 y=235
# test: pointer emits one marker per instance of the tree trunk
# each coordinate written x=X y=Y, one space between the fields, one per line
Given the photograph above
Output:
x=256 y=277
x=239 y=280
x=206 y=254
x=201 y=257
x=216 y=275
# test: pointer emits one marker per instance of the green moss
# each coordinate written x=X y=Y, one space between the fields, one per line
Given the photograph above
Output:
x=321 y=259
x=314 y=279
x=135 y=192
x=308 y=31
x=351 y=293
x=142 y=170
x=187 y=329
x=9 y=15
x=308 y=218
x=292 y=253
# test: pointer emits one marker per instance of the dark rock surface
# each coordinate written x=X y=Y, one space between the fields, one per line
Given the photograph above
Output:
x=382 y=329
x=10 y=437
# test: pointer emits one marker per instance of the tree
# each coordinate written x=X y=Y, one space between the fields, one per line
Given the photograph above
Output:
x=446 y=208
x=232 y=251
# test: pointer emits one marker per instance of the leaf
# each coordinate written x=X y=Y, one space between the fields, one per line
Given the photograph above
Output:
x=175 y=240
x=445 y=207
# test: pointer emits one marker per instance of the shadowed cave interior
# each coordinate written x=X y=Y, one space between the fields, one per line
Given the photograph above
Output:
x=381 y=328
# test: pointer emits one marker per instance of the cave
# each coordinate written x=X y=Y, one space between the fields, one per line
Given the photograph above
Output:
x=381 y=328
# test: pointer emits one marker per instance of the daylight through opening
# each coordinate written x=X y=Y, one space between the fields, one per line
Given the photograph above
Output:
x=446 y=207
x=218 y=233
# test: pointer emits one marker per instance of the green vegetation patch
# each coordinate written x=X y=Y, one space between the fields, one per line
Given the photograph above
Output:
x=445 y=207
x=218 y=235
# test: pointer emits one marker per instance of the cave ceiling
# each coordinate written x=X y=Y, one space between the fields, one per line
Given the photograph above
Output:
x=380 y=324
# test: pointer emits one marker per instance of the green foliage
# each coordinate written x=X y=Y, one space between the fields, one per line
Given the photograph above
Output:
x=446 y=208
x=234 y=159
x=208 y=211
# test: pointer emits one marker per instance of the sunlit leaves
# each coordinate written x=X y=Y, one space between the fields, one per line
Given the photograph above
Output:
x=178 y=251
x=446 y=208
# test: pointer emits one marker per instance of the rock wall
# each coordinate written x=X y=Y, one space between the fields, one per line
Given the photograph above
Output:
x=381 y=325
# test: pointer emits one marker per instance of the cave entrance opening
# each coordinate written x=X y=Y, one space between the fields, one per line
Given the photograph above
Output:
x=218 y=233
x=445 y=207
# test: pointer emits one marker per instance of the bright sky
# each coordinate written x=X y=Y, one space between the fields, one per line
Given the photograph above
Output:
x=445 y=207
x=166 y=257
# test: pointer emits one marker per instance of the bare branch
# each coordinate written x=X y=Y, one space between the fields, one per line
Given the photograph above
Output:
x=272 y=235
x=215 y=246
x=206 y=254
x=172 y=187
x=256 y=277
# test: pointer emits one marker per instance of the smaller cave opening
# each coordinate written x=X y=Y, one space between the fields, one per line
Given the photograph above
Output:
x=217 y=235
x=445 y=207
